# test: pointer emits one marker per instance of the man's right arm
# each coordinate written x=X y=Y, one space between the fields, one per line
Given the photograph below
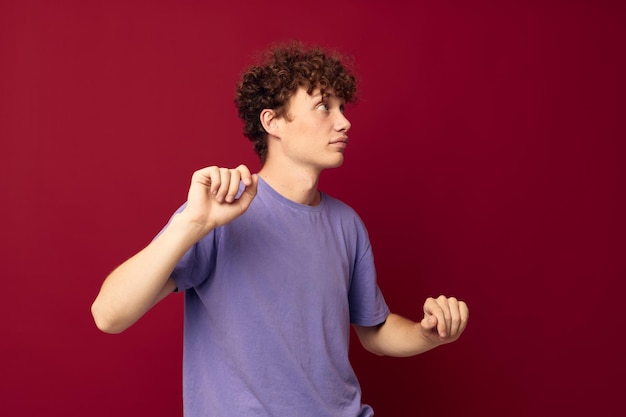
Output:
x=144 y=279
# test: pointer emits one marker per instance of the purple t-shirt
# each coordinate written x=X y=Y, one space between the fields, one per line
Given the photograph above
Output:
x=269 y=299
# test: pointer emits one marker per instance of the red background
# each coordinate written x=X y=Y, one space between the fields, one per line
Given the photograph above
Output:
x=486 y=160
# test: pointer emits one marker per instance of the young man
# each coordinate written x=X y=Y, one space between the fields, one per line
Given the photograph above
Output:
x=274 y=271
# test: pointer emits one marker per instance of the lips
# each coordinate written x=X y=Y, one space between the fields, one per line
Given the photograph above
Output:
x=343 y=140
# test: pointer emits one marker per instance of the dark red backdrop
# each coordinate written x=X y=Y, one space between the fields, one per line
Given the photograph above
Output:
x=487 y=161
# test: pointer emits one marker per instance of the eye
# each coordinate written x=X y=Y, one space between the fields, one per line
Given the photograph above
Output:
x=323 y=106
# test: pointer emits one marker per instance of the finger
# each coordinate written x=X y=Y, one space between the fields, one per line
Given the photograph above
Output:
x=222 y=190
x=233 y=187
x=444 y=326
x=464 y=313
x=249 y=193
x=212 y=178
x=432 y=308
x=244 y=172
x=203 y=176
x=455 y=316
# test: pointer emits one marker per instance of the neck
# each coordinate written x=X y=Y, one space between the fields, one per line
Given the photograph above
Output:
x=292 y=183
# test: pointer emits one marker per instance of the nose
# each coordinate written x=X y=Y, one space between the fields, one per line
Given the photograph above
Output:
x=342 y=124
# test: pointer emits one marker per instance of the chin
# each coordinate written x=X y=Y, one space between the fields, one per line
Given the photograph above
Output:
x=337 y=164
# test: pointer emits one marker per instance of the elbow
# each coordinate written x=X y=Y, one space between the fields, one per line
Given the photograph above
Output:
x=103 y=321
x=375 y=352
x=373 y=348
x=369 y=338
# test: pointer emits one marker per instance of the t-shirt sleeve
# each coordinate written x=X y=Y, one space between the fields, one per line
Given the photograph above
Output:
x=367 y=304
x=196 y=264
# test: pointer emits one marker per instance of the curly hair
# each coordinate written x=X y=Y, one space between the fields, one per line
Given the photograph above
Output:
x=283 y=69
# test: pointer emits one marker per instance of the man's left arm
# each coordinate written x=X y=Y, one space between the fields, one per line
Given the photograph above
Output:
x=445 y=319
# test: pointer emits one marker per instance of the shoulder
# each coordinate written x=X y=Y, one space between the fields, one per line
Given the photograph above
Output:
x=341 y=210
x=335 y=204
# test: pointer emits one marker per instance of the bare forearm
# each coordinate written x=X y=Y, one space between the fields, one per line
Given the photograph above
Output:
x=137 y=284
x=398 y=336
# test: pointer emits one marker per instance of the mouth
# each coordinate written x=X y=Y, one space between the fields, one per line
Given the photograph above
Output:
x=340 y=141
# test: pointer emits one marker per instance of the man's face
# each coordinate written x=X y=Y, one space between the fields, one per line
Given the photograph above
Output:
x=313 y=134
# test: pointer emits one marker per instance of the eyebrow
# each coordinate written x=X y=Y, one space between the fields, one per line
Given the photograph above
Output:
x=318 y=91
x=320 y=94
x=327 y=95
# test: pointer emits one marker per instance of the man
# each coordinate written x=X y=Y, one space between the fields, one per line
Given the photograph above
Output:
x=273 y=270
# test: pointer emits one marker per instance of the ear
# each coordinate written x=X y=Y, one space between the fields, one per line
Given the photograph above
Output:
x=270 y=121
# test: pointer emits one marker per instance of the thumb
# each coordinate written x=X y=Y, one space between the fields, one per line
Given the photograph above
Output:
x=429 y=322
x=249 y=192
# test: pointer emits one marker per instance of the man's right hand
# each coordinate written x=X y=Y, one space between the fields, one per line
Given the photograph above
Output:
x=212 y=201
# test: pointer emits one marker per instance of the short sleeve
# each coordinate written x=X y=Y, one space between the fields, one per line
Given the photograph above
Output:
x=367 y=304
x=196 y=264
